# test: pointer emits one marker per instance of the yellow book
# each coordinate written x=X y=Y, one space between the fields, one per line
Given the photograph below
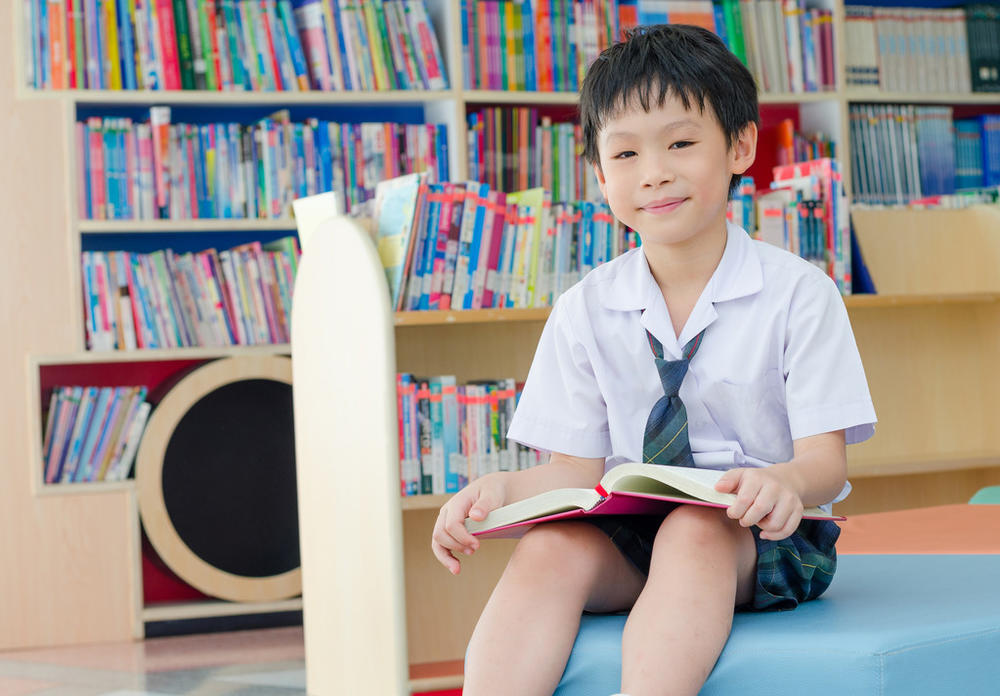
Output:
x=111 y=56
x=535 y=200
x=375 y=47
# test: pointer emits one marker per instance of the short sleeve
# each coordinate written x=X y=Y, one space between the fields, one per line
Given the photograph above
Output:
x=825 y=385
x=561 y=408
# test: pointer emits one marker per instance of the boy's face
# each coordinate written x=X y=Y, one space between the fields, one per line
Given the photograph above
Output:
x=665 y=173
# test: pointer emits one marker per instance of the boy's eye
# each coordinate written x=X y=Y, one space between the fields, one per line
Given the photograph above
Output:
x=625 y=154
x=681 y=144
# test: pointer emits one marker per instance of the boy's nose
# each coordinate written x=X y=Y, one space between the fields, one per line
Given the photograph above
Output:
x=656 y=172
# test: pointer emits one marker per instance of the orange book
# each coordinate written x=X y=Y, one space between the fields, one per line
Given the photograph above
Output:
x=71 y=21
x=57 y=43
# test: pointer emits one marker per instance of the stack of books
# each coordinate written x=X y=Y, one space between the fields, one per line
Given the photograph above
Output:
x=186 y=171
x=239 y=296
x=232 y=45
x=518 y=148
x=901 y=154
x=92 y=433
x=921 y=49
x=465 y=245
x=547 y=45
x=805 y=212
x=451 y=434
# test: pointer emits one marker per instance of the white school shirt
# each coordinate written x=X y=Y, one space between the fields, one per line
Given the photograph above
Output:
x=778 y=362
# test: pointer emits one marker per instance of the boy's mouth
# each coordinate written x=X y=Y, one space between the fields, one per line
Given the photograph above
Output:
x=663 y=205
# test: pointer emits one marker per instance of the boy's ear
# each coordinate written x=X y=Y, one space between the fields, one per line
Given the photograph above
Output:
x=744 y=151
x=602 y=184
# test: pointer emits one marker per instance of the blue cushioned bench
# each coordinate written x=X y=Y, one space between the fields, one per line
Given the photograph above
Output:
x=889 y=625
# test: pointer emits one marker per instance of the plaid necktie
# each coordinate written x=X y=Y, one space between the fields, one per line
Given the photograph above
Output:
x=666 y=439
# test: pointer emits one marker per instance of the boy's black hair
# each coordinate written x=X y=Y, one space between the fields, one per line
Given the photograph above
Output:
x=688 y=62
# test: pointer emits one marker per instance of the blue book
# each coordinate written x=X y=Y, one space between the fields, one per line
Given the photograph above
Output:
x=81 y=430
x=719 y=17
x=232 y=39
x=454 y=473
x=481 y=191
x=441 y=138
x=71 y=397
x=429 y=243
x=324 y=155
x=148 y=330
x=60 y=449
x=128 y=49
x=298 y=56
x=90 y=467
x=990 y=130
x=528 y=23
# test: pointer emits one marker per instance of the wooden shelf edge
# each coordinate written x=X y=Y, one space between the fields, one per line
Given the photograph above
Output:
x=157 y=354
x=208 y=608
x=874 y=97
x=866 y=301
x=239 y=98
x=175 y=226
x=470 y=316
x=433 y=676
x=85 y=488
x=423 y=502
x=900 y=466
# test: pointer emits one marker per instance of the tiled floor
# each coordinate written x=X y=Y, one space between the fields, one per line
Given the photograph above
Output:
x=244 y=663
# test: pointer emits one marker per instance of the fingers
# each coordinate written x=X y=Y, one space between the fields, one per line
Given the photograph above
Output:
x=746 y=496
x=450 y=536
x=782 y=522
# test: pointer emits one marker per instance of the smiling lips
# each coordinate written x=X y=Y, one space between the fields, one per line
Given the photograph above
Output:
x=664 y=205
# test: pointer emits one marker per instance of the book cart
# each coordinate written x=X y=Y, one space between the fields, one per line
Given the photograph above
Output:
x=925 y=451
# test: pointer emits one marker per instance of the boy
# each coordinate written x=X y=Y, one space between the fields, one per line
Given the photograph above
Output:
x=771 y=390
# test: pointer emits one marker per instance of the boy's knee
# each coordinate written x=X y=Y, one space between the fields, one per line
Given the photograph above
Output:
x=700 y=524
x=560 y=546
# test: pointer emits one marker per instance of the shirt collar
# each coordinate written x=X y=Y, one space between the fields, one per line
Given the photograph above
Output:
x=738 y=275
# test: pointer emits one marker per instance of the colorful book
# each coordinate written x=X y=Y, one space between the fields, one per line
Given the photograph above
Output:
x=627 y=489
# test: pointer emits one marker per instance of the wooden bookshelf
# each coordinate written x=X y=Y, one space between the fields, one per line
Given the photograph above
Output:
x=89 y=532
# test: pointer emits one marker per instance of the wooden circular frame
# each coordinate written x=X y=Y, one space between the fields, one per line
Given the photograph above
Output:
x=149 y=482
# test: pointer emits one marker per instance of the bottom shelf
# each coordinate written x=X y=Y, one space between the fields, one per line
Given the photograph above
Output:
x=432 y=676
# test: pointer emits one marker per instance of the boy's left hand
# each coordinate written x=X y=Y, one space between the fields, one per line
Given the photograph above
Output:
x=763 y=498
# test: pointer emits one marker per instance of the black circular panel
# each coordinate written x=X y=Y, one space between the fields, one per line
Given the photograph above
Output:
x=229 y=479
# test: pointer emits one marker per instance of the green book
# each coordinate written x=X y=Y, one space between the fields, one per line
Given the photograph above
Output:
x=206 y=46
x=734 y=28
x=184 y=55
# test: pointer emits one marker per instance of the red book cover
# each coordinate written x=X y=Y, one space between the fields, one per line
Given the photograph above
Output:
x=496 y=243
x=168 y=42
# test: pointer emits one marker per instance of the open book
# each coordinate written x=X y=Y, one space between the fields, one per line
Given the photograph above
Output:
x=627 y=489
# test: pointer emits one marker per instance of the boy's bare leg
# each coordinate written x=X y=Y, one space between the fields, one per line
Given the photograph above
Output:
x=703 y=565
x=526 y=632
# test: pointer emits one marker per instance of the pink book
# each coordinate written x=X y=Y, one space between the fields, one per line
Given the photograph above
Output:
x=168 y=44
x=627 y=489
x=493 y=260
x=97 y=183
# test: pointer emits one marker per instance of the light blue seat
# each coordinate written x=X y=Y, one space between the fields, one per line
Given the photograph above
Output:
x=889 y=625
x=986 y=496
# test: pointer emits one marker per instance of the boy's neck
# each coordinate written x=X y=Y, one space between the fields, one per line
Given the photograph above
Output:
x=684 y=269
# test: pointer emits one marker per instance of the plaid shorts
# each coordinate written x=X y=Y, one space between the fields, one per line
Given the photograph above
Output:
x=795 y=569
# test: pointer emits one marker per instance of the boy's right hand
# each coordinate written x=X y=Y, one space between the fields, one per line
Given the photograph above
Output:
x=475 y=501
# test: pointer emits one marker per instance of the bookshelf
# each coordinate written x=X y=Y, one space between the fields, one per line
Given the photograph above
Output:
x=90 y=532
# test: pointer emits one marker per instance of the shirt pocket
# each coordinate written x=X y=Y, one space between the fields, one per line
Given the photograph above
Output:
x=753 y=413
